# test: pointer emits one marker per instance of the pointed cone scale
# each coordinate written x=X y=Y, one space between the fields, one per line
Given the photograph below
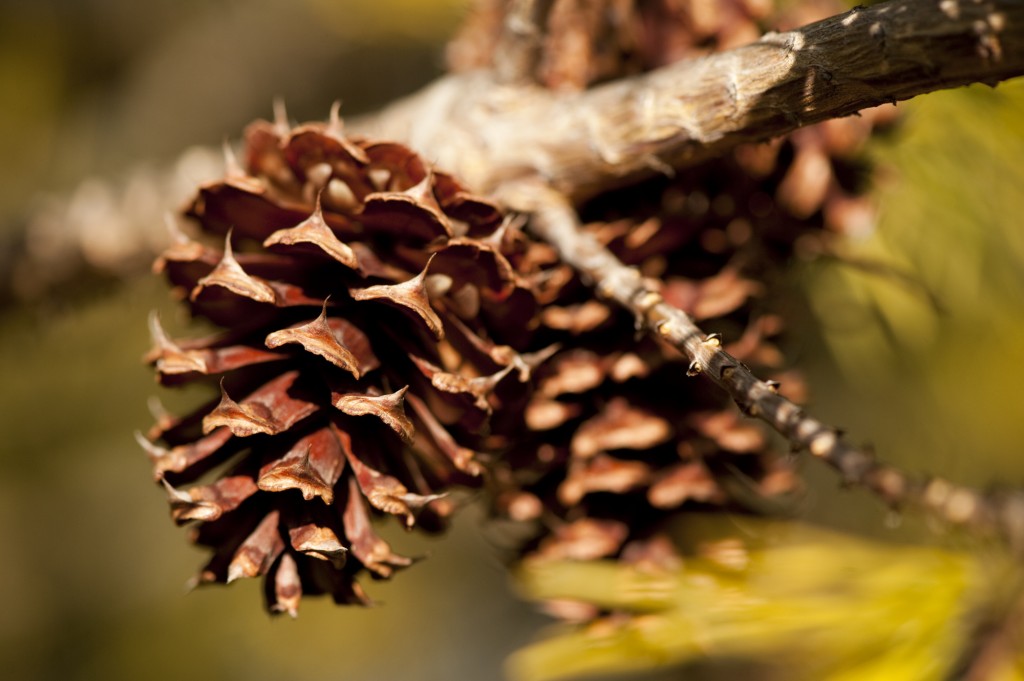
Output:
x=318 y=542
x=463 y=458
x=287 y=587
x=384 y=492
x=241 y=420
x=297 y=473
x=478 y=388
x=481 y=215
x=209 y=502
x=175 y=495
x=318 y=338
x=176 y=363
x=314 y=231
x=388 y=408
x=620 y=426
x=412 y=213
x=483 y=386
x=729 y=431
x=576 y=319
x=259 y=550
x=269 y=410
x=180 y=458
x=372 y=551
x=543 y=414
x=410 y=295
x=335 y=129
x=228 y=274
x=502 y=355
x=684 y=482
x=584 y=539
x=603 y=473
x=573 y=372
x=169 y=358
x=312 y=467
x=180 y=249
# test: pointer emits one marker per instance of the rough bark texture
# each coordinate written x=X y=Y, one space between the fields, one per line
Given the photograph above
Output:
x=584 y=143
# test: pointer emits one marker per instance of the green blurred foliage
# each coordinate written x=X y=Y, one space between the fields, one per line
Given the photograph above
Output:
x=935 y=325
x=948 y=184
x=803 y=602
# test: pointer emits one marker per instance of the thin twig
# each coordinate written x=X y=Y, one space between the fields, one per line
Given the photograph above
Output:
x=554 y=220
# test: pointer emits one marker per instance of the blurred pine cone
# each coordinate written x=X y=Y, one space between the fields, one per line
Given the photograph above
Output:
x=620 y=438
x=577 y=43
x=364 y=299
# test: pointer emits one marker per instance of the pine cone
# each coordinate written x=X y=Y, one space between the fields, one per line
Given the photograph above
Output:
x=364 y=301
x=621 y=438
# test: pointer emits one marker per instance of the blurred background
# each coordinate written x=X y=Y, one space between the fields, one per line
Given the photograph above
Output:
x=912 y=337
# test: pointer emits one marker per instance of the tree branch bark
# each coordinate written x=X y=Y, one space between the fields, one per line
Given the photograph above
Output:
x=489 y=131
x=582 y=144
x=554 y=220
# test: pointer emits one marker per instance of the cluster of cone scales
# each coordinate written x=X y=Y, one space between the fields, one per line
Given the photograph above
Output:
x=357 y=371
x=384 y=338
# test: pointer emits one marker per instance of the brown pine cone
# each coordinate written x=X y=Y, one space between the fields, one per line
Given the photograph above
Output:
x=362 y=370
x=620 y=435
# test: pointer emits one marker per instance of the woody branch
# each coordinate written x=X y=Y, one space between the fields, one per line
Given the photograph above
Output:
x=489 y=131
